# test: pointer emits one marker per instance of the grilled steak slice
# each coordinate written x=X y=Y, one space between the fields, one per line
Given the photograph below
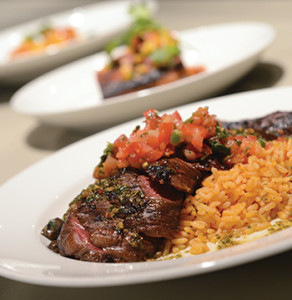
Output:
x=120 y=219
x=160 y=216
x=99 y=241
x=269 y=127
x=74 y=241
x=183 y=176
x=111 y=86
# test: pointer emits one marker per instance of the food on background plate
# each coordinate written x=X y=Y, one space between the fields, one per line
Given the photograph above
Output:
x=47 y=39
x=174 y=187
x=150 y=56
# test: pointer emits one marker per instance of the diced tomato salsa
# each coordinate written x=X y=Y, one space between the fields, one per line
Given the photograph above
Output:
x=163 y=135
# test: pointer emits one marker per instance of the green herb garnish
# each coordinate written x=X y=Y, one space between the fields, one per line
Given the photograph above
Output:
x=221 y=132
x=217 y=147
x=175 y=137
x=143 y=22
x=164 y=56
x=107 y=151
x=238 y=142
x=262 y=142
x=53 y=225
x=189 y=120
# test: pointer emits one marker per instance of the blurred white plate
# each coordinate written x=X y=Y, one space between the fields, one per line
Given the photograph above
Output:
x=96 y=24
x=44 y=191
x=71 y=97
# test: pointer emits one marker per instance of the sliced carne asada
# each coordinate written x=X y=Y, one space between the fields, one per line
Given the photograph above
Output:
x=123 y=218
x=269 y=127
x=183 y=176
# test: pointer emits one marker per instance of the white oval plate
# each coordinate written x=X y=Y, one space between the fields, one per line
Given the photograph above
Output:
x=96 y=24
x=44 y=191
x=70 y=96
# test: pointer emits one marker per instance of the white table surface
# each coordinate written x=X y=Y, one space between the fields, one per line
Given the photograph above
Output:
x=24 y=141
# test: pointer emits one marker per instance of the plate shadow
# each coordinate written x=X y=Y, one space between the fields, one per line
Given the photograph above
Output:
x=263 y=75
x=51 y=138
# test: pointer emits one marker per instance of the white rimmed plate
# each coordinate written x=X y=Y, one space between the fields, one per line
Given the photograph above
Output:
x=71 y=97
x=96 y=24
x=44 y=190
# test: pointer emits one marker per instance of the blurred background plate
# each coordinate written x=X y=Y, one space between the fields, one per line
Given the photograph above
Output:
x=71 y=97
x=96 y=24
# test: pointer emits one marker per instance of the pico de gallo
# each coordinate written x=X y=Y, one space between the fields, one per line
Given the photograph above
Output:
x=194 y=139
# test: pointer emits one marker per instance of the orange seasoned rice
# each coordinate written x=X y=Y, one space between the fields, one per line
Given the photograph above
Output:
x=239 y=201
